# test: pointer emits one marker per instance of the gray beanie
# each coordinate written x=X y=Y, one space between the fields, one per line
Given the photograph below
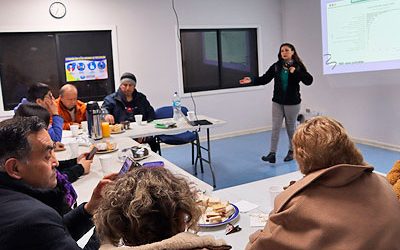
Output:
x=128 y=77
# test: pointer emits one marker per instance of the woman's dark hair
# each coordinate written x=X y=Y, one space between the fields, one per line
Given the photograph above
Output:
x=33 y=109
x=295 y=56
x=37 y=91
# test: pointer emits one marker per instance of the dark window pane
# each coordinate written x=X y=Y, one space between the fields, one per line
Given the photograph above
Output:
x=200 y=67
x=24 y=60
x=215 y=59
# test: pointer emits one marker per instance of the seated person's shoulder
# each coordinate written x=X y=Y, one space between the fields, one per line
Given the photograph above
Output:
x=22 y=211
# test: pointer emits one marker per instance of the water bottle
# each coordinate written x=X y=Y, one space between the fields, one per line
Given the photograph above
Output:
x=176 y=104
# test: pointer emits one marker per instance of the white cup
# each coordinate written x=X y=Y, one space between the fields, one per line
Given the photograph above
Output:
x=191 y=115
x=74 y=149
x=74 y=129
x=273 y=193
x=106 y=162
x=84 y=126
x=138 y=119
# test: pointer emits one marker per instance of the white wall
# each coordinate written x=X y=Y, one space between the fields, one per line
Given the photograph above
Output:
x=366 y=103
x=147 y=44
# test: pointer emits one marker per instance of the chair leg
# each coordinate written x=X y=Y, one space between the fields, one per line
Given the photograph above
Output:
x=159 y=146
x=192 y=153
x=199 y=156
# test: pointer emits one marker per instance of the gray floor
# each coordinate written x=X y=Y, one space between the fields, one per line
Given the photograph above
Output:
x=237 y=160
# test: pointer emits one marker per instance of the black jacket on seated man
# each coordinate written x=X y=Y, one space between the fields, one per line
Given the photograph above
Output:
x=122 y=110
x=29 y=219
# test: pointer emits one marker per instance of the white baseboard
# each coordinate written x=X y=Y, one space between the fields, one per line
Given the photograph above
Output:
x=227 y=135
x=236 y=133
x=377 y=144
x=266 y=128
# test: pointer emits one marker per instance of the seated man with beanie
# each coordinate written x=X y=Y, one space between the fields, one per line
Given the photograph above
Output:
x=127 y=102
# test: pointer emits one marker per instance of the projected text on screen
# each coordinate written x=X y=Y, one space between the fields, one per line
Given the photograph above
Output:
x=360 y=35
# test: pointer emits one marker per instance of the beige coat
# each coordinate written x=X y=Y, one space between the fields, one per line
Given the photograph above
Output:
x=182 y=241
x=342 y=207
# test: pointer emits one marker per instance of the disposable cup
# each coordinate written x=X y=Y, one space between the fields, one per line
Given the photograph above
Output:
x=106 y=163
x=74 y=149
x=138 y=119
x=84 y=126
x=74 y=130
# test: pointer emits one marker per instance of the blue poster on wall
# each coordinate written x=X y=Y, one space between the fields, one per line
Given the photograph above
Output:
x=84 y=68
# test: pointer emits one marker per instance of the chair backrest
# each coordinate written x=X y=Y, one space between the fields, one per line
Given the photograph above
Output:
x=167 y=112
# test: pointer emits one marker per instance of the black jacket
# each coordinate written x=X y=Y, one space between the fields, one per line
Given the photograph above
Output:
x=292 y=94
x=29 y=219
x=115 y=105
x=71 y=168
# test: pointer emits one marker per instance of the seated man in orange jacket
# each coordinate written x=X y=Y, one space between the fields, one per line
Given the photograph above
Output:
x=69 y=107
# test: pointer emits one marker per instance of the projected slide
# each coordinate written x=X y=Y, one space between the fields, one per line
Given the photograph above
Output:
x=360 y=35
x=85 y=68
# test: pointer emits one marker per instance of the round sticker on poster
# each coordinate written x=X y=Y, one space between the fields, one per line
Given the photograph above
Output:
x=71 y=67
x=81 y=66
x=101 y=65
x=92 y=65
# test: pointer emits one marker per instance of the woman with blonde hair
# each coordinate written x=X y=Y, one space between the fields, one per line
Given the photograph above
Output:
x=339 y=203
x=150 y=208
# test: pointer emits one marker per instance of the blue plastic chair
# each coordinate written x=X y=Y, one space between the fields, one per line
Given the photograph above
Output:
x=181 y=138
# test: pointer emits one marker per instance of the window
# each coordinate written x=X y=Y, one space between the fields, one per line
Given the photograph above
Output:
x=30 y=57
x=214 y=59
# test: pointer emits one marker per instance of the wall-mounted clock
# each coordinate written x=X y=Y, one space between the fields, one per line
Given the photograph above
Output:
x=57 y=10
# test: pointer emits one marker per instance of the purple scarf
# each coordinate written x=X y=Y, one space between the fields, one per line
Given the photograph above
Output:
x=66 y=188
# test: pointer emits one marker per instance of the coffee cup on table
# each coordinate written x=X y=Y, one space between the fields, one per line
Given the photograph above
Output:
x=74 y=129
x=74 y=149
x=138 y=119
x=106 y=162
x=84 y=126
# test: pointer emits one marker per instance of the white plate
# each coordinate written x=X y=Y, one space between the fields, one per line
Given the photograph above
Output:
x=120 y=132
x=231 y=218
x=107 y=151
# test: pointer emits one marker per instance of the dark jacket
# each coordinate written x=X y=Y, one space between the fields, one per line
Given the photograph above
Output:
x=115 y=104
x=29 y=219
x=71 y=168
x=292 y=94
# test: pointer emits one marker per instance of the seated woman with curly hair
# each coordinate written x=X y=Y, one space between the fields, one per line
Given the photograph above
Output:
x=150 y=208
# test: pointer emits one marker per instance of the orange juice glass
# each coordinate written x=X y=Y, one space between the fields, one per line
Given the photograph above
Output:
x=105 y=129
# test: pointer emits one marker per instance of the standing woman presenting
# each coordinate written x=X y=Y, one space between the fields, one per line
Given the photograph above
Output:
x=287 y=73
